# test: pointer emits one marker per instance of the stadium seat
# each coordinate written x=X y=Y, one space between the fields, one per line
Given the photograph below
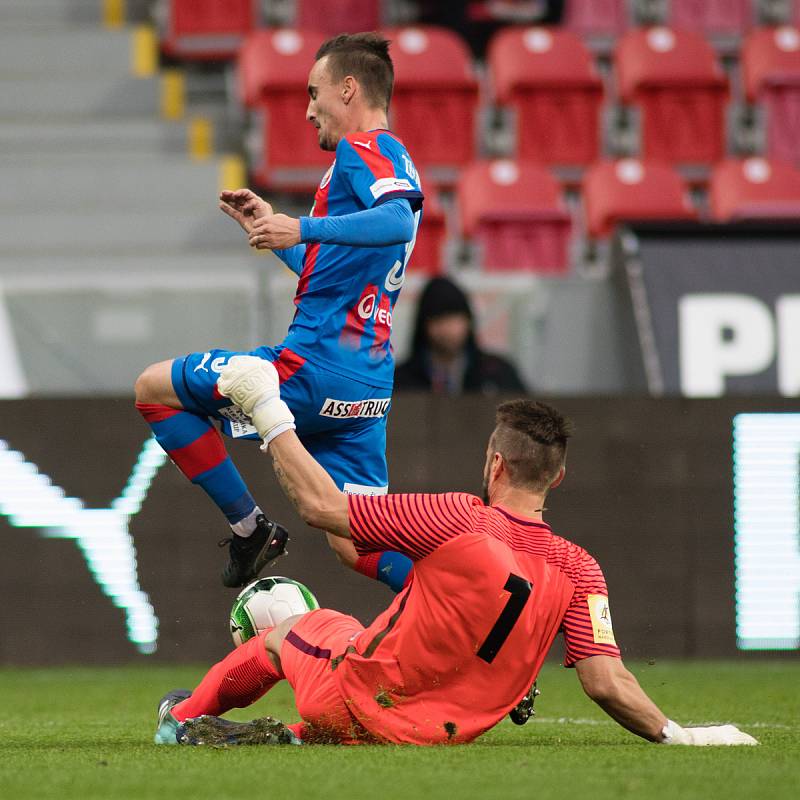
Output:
x=337 y=16
x=435 y=101
x=272 y=76
x=771 y=75
x=674 y=79
x=630 y=189
x=547 y=77
x=712 y=17
x=207 y=30
x=596 y=17
x=514 y=213
x=427 y=258
x=755 y=188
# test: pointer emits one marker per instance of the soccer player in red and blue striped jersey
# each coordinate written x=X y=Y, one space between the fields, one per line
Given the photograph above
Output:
x=336 y=364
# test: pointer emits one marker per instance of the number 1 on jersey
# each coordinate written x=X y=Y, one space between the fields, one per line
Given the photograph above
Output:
x=520 y=590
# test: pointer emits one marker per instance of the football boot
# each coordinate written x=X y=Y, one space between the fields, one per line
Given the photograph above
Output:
x=248 y=555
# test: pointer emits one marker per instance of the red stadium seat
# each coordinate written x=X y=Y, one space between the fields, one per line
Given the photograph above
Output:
x=771 y=75
x=428 y=250
x=435 y=101
x=207 y=30
x=273 y=74
x=712 y=17
x=674 y=78
x=514 y=212
x=547 y=76
x=755 y=188
x=596 y=17
x=337 y=16
x=630 y=189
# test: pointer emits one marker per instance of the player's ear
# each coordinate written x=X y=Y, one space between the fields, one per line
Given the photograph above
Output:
x=498 y=466
x=349 y=86
x=560 y=477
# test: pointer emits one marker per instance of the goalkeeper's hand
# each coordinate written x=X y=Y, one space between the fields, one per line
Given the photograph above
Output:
x=703 y=737
x=253 y=385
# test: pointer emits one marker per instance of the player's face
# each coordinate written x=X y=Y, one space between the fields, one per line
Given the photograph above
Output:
x=326 y=108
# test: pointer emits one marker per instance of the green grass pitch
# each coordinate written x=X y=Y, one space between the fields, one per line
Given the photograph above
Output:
x=87 y=733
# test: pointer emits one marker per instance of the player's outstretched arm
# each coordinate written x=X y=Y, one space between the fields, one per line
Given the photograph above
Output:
x=311 y=490
x=252 y=384
x=606 y=681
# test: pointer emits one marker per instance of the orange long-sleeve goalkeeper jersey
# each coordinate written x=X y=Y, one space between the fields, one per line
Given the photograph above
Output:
x=463 y=642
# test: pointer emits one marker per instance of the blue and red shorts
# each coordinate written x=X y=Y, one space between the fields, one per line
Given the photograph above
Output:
x=341 y=422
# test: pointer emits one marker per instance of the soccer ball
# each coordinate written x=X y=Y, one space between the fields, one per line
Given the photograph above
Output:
x=266 y=602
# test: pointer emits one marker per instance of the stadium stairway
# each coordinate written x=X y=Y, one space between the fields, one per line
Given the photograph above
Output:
x=113 y=253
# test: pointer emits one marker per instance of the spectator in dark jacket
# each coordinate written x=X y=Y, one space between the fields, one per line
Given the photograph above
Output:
x=445 y=357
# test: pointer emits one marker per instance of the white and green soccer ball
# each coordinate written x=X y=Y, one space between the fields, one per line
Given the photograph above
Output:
x=266 y=602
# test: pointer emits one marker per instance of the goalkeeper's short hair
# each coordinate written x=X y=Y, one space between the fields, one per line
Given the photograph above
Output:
x=532 y=438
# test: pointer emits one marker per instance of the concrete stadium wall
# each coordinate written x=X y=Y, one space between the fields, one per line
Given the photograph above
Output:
x=648 y=492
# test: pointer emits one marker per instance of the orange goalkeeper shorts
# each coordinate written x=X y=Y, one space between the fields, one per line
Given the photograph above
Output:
x=306 y=655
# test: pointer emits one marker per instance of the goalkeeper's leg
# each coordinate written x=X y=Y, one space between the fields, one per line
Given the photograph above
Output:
x=242 y=677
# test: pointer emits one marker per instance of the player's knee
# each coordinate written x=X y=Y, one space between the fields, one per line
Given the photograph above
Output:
x=143 y=388
x=273 y=640
x=153 y=385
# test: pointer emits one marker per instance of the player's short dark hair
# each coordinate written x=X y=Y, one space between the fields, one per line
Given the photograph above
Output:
x=365 y=56
x=532 y=438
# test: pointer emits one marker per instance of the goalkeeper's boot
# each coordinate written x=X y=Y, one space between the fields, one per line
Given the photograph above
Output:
x=248 y=555
x=218 y=732
x=167 y=724
x=523 y=711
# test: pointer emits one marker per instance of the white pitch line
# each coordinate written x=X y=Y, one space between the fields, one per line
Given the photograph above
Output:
x=602 y=722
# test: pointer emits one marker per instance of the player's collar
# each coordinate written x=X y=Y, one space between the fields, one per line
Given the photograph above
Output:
x=534 y=523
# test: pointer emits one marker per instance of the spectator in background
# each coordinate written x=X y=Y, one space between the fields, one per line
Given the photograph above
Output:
x=445 y=358
x=477 y=20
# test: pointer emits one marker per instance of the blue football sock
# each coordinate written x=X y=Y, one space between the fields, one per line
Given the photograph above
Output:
x=197 y=449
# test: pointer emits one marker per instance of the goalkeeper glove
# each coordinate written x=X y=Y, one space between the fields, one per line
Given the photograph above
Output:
x=702 y=737
x=253 y=385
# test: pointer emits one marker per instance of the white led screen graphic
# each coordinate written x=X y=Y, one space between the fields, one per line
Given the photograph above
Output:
x=29 y=499
x=766 y=477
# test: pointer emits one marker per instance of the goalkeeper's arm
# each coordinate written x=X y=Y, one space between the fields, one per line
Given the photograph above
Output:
x=606 y=681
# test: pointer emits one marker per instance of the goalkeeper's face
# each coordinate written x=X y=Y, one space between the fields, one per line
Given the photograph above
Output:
x=327 y=107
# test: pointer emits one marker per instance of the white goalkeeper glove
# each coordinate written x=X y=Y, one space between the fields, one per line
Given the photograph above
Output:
x=253 y=385
x=703 y=737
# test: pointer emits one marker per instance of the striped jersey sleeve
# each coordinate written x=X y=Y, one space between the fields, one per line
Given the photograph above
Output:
x=587 y=623
x=414 y=524
x=372 y=164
